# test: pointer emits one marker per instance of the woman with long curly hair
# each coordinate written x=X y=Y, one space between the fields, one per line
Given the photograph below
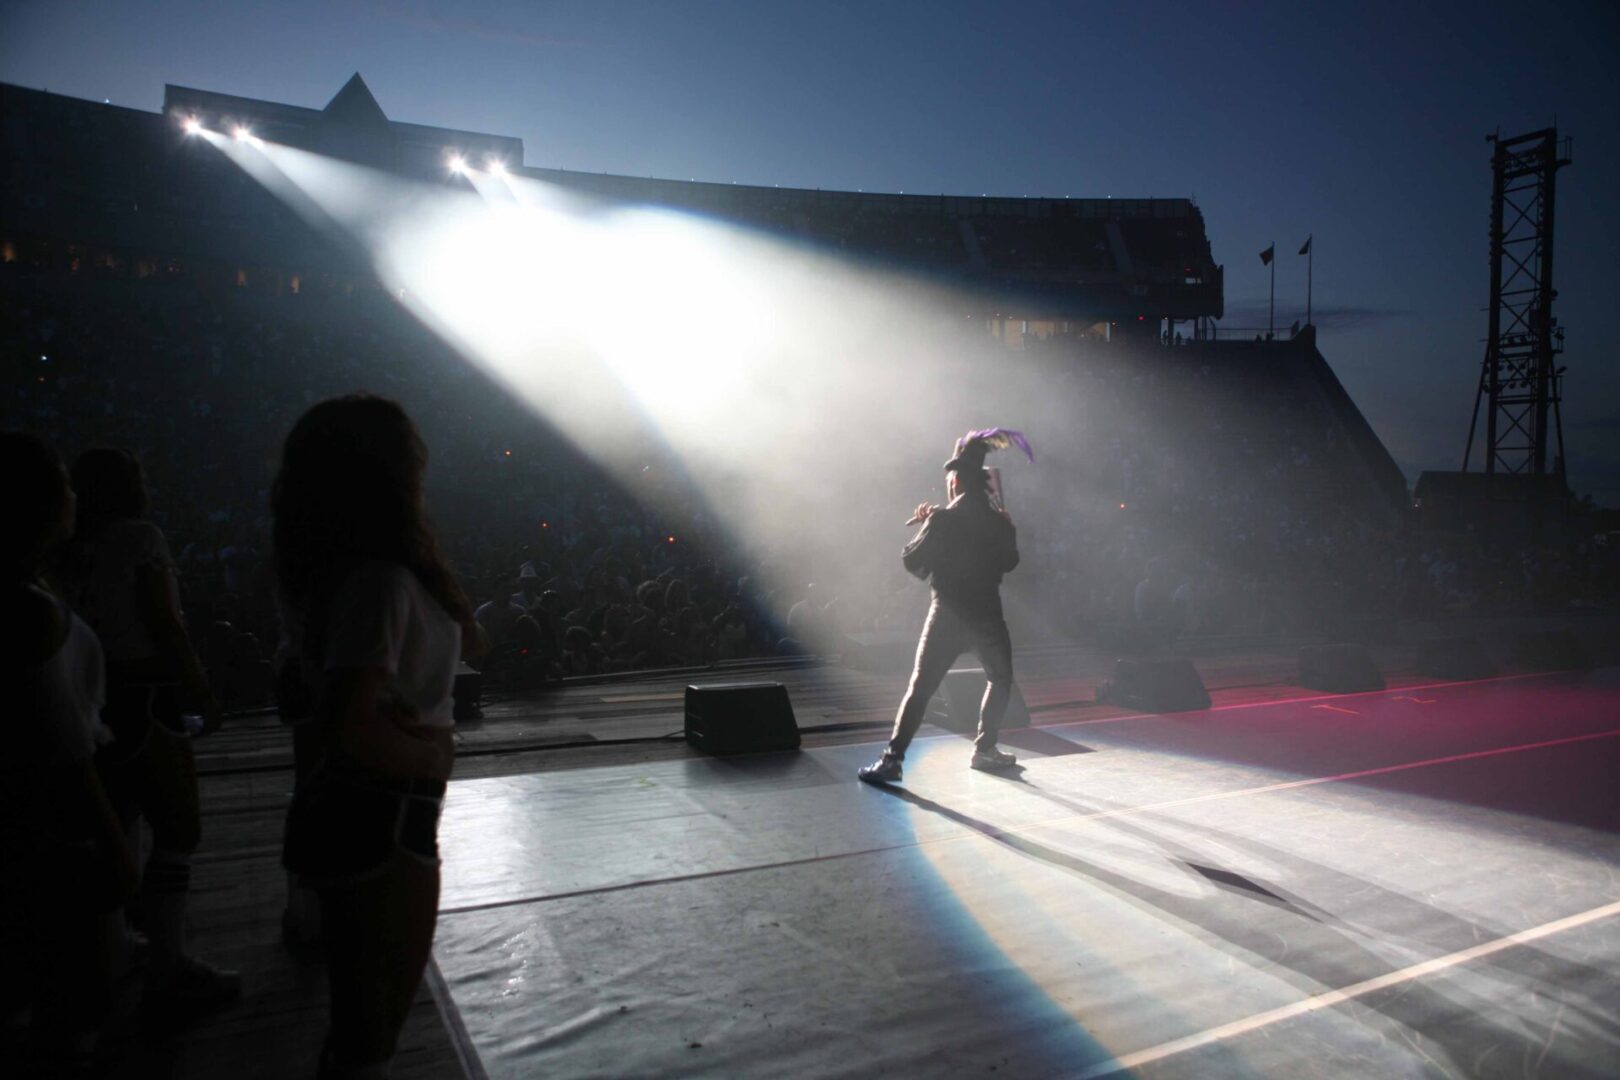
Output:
x=377 y=618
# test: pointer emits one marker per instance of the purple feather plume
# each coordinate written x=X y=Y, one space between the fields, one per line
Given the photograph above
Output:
x=997 y=438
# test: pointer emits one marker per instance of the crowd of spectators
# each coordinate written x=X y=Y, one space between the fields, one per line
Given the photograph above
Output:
x=1227 y=474
x=201 y=387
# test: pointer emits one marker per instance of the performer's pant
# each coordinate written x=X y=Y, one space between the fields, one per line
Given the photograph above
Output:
x=946 y=636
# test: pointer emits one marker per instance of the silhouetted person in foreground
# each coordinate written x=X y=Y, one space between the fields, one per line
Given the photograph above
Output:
x=63 y=857
x=121 y=577
x=962 y=550
x=379 y=622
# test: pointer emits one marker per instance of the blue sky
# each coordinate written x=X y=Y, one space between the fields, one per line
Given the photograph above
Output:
x=1362 y=124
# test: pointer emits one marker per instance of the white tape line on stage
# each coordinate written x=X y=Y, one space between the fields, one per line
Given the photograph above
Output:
x=993 y=832
x=1330 y=998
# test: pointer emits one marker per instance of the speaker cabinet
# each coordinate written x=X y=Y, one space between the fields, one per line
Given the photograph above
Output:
x=963 y=690
x=1455 y=658
x=1155 y=684
x=740 y=718
x=467 y=692
x=1339 y=669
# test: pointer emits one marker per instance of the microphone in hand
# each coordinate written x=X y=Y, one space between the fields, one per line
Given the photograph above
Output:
x=921 y=513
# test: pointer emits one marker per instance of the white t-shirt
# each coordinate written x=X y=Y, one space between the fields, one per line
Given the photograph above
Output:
x=108 y=594
x=70 y=689
x=383 y=617
x=56 y=726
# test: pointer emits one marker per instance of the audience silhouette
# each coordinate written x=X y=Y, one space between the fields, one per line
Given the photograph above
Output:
x=379 y=623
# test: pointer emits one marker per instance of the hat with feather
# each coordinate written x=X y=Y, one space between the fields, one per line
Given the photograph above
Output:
x=972 y=447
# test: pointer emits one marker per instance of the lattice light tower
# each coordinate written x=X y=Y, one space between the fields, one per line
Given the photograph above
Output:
x=1519 y=381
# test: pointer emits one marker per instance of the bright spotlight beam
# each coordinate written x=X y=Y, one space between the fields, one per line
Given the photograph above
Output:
x=262 y=161
x=493 y=186
x=633 y=329
x=191 y=125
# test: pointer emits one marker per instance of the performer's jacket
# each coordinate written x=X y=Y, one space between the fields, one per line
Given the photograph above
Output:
x=962 y=551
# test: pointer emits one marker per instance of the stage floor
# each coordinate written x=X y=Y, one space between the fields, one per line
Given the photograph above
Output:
x=1417 y=882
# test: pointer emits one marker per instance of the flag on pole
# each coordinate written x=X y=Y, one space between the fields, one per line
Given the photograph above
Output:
x=1305 y=249
x=1265 y=256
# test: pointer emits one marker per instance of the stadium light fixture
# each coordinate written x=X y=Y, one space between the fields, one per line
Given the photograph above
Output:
x=497 y=167
x=242 y=134
x=457 y=164
x=191 y=125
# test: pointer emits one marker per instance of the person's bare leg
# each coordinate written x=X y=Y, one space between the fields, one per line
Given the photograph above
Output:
x=379 y=935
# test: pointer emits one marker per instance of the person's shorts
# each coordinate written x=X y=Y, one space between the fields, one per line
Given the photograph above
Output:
x=343 y=828
x=132 y=707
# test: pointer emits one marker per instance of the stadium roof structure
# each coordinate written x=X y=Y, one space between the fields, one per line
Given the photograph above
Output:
x=1078 y=259
x=352 y=127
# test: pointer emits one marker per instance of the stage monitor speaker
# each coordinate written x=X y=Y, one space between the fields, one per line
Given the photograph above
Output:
x=467 y=693
x=963 y=690
x=1339 y=669
x=1552 y=650
x=1155 y=684
x=740 y=718
x=1455 y=658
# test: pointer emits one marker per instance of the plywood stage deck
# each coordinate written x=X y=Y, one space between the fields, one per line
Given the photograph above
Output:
x=1409 y=883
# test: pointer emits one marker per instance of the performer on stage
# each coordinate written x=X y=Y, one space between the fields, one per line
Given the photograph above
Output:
x=962 y=550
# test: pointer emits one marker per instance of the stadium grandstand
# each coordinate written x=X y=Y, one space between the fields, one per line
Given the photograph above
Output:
x=127 y=187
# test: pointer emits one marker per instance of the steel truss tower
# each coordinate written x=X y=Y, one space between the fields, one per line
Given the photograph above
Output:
x=1519 y=382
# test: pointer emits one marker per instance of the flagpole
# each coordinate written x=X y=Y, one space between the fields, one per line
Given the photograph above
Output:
x=1310 y=257
x=1271 y=317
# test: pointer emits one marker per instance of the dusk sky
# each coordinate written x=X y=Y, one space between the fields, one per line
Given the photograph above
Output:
x=1361 y=124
